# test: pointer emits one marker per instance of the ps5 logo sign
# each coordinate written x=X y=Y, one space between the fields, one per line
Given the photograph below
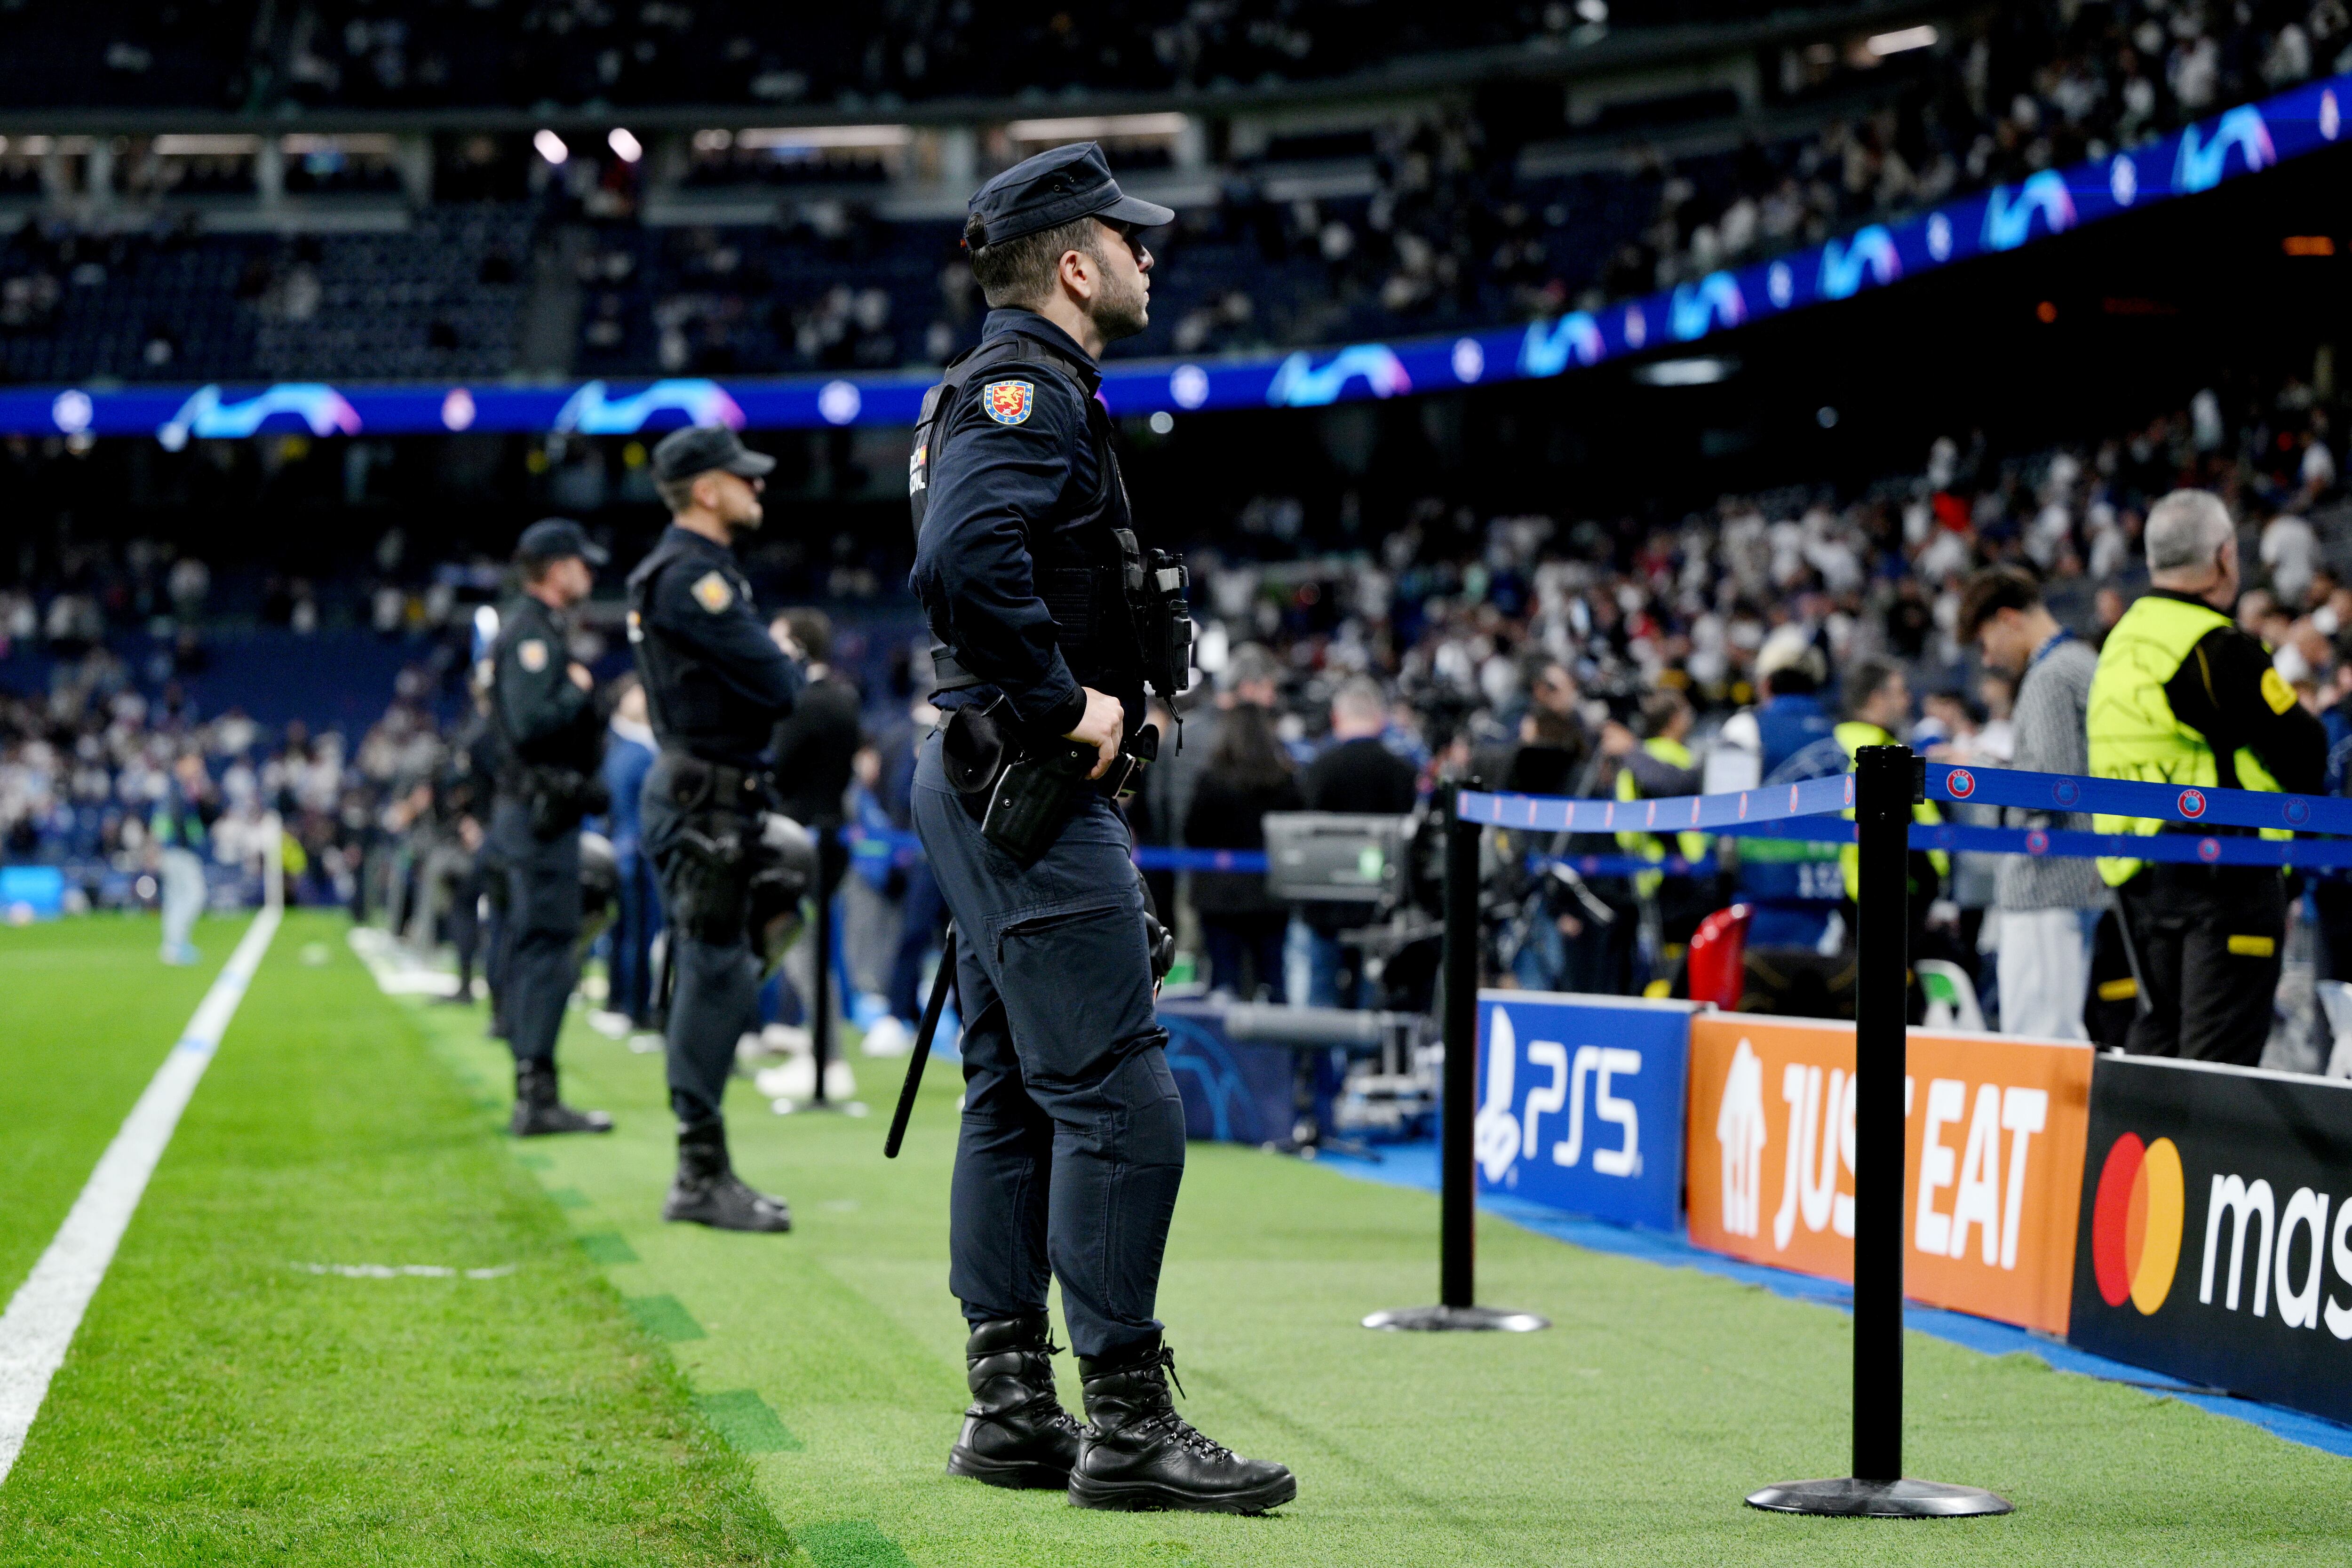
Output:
x=1577 y=1090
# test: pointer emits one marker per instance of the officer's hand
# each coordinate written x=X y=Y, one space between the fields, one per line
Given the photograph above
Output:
x=579 y=677
x=1103 y=726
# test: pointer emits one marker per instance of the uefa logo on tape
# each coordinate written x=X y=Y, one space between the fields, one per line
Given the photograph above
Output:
x=2209 y=850
x=2065 y=792
x=2298 y=812
x=1961 y=783
x=2193 y=803
x=2037 y=842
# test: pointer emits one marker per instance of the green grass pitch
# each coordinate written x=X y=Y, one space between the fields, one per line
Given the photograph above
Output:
x=633 y=1392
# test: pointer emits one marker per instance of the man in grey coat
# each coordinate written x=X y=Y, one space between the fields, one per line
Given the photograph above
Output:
x=2049 y=908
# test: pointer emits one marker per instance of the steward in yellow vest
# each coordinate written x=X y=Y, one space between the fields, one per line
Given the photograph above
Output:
x=1661 y=767
x=2183 y=697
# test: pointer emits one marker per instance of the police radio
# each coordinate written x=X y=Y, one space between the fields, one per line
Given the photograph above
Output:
x=1156 y=582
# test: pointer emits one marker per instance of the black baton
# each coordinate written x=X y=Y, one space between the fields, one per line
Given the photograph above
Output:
x=922 y=1051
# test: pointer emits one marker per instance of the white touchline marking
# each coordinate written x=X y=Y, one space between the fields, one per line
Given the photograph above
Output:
x=47 y=1309
x=397 y=1270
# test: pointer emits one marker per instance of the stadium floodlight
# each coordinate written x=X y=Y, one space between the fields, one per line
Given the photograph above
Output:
x=1703 y=370
x=625 y=145
x=1902 y=40
x=550 y=147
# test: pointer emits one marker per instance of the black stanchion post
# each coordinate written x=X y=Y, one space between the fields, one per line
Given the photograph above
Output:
x=1886 y=783
x=1457 y=1290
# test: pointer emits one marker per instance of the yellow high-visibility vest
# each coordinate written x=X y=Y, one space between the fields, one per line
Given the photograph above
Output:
x=1649 y=845
x=2134 y=733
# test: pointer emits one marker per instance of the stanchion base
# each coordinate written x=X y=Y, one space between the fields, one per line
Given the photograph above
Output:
x=1429 y=1320
x=1847 y=1498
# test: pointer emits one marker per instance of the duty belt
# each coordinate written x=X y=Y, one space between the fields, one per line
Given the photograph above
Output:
x=697 y=783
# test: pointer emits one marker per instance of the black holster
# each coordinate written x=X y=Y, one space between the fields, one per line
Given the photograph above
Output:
x=1021 y=791
x=559 y=797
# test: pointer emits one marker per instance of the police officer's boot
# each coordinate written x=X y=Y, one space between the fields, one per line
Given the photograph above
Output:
x=1016 y=1433
x=706 y=1190
x=538 y=1111
x=1137 y=1453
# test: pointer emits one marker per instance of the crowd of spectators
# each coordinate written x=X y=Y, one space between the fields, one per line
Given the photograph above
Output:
x=1527 y=649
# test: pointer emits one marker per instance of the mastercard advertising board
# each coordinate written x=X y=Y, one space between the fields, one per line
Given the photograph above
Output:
x=2215 y=1240
x=1992 y=1165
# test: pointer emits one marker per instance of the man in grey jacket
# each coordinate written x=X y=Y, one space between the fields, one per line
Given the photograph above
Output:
x=2049 y=908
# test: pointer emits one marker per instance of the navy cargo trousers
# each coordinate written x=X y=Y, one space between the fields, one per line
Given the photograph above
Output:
x=1073 y=1140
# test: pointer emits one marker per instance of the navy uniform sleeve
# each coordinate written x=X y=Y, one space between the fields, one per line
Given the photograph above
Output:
x=705 y=608
x=536 y=698
x=972 y=568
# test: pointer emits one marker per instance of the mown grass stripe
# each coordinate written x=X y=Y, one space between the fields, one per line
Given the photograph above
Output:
x=664 y=1317
x=748 y=1422
x=607 y=1246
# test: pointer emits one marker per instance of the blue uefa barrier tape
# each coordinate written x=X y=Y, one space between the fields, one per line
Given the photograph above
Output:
x=2064 y=844
x=1675 y=813
x=2120 y=798
x=866 y=843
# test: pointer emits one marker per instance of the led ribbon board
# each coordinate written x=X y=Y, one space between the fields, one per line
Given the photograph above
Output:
x=2227 y=146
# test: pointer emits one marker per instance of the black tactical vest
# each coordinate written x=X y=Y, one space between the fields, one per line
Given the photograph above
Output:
x=1083 y=556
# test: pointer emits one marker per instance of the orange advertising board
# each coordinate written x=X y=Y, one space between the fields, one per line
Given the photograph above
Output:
x=1992 y=1159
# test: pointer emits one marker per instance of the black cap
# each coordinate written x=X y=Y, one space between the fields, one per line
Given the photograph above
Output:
x=1054 y=187
x=699 y=449
x=553 y=538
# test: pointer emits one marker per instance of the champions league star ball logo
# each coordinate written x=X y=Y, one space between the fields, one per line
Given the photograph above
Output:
x=1961 y=783
x=2193 y=803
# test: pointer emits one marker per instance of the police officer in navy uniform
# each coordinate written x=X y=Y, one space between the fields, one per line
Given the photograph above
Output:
x=1071 y=1144
x=715 y=685
x=543 y=707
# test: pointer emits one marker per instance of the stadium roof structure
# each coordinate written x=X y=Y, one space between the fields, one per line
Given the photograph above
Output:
x=2241 y=142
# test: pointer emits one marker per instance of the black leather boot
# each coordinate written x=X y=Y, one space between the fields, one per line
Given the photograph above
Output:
x=540 y=1111
x=1137 y=1453
x=706 y=1191
x=1016 y=1433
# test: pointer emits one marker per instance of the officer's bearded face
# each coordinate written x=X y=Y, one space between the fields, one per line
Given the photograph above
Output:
x=1122 y=305
x=736 y=500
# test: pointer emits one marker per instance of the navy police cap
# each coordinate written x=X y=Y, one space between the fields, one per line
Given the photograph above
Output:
x=699 y=449
x=553 y=538
x=1054 y=187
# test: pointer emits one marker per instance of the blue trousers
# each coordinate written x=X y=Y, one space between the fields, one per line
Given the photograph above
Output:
x=1072 y=1145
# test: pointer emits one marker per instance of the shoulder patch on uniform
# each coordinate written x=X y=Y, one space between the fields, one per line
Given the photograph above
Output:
x=713 y=591
x=1008 y=401
x=2276 y=691
x=531 y=654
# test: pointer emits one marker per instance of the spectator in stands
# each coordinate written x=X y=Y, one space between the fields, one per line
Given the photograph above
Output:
x=1248 y=776
x=1357 y=772
x=2049 y=909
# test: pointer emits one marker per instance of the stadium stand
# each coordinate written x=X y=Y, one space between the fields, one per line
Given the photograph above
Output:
x=748 y=251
